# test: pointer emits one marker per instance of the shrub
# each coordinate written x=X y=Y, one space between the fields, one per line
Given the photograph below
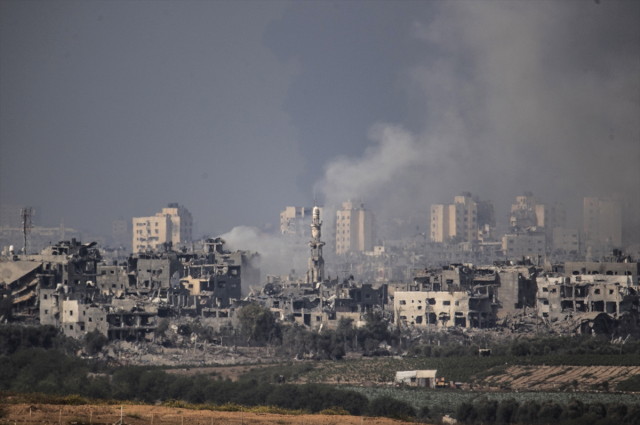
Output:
x=528 y=412
x=507 y=410
x=633 y=416
x=550 y=412
x=486 y=409
x=466 y=412
x=574 y=409
x=629 y=384
x=391 y=408
x=94 y=341
x=423 y=413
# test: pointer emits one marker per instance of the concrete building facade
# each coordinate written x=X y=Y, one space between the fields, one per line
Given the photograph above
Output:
x=174 y=224
x=455 y=221
x=355 y=228
x=603 y=220
x=121 y=233
x=524 y=244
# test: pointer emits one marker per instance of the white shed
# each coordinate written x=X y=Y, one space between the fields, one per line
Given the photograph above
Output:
x=419 y=378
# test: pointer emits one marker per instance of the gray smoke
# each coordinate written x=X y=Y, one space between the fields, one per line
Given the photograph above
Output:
x=277 y=255
x=539 y=96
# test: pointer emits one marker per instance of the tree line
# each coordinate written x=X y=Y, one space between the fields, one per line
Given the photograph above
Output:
x=575 y=412
x=35 y=370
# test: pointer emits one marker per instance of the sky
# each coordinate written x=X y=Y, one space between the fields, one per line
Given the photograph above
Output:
x=238 y=109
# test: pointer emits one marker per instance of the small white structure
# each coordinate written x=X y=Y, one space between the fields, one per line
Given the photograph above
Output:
x=417 y=378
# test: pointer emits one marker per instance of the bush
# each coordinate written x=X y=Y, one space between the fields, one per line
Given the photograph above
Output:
x=507 y=410
x=550 y=412
x=486 y=409
x=573 y=410
x=528 y=412
x=633 y=416
x=391 y=408
x=423 y=413
x=466 y=412
x=629 y=384
x=616 y=411
x=94 y=341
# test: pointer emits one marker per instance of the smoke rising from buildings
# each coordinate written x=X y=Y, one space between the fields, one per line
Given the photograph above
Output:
x=401 y=105
x=515 y=96
x=277 y=255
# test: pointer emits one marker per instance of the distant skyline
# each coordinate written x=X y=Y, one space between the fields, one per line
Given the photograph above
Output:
x=238 y=109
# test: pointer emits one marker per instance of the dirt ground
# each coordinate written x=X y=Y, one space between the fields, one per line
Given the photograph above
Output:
x=551 y=378
x=146 y=415
x=232 y=372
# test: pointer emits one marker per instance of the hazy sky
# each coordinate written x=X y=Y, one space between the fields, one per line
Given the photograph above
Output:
x=237 y=109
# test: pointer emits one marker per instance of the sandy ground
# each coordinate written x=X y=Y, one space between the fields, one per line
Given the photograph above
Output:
x=145 y=415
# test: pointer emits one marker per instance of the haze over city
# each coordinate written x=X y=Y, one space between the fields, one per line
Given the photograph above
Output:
x=348 y=212
x=237 y=109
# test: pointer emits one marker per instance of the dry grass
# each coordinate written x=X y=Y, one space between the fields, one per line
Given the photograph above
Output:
x=158 y=415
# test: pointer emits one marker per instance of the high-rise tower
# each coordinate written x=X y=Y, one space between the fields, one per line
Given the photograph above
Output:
x=315 y=274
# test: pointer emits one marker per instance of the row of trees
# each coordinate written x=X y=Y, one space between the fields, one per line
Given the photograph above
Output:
x=526 y=346
x=17 y=337
x=575 y=411
x=259 y=325
x=51 y=372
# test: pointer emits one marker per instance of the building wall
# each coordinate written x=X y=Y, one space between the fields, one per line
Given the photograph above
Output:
x=523 y=212
x=439 y=223
x=149 y=233
x=550 y=216
x=442 y=309
x=459 y=219
x=524 y=244
x=182 y=224
x=566 y=240
x=112 y=279
x=585 y=294
x=601 y=268
x=295 y=221
x=603 y=220
x=174 y=224
x=355 y=228
x=121 y=233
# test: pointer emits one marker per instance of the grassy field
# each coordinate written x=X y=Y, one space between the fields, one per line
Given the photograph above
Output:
x=379 y=371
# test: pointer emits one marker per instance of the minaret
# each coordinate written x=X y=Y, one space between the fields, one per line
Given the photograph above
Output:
x=315 y=274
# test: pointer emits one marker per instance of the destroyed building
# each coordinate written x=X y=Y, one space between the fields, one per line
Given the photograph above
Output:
x=463 y=295
x=70 y=287
x=560 y=295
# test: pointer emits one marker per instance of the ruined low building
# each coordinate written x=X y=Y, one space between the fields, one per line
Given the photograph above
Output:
x=67 y=263
x=559 y=296
x=615 y=265
x=445 y=309
x=114 y=280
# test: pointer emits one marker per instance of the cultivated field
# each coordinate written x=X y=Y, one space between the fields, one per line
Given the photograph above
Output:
x=146 y=415
x=548 y=378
